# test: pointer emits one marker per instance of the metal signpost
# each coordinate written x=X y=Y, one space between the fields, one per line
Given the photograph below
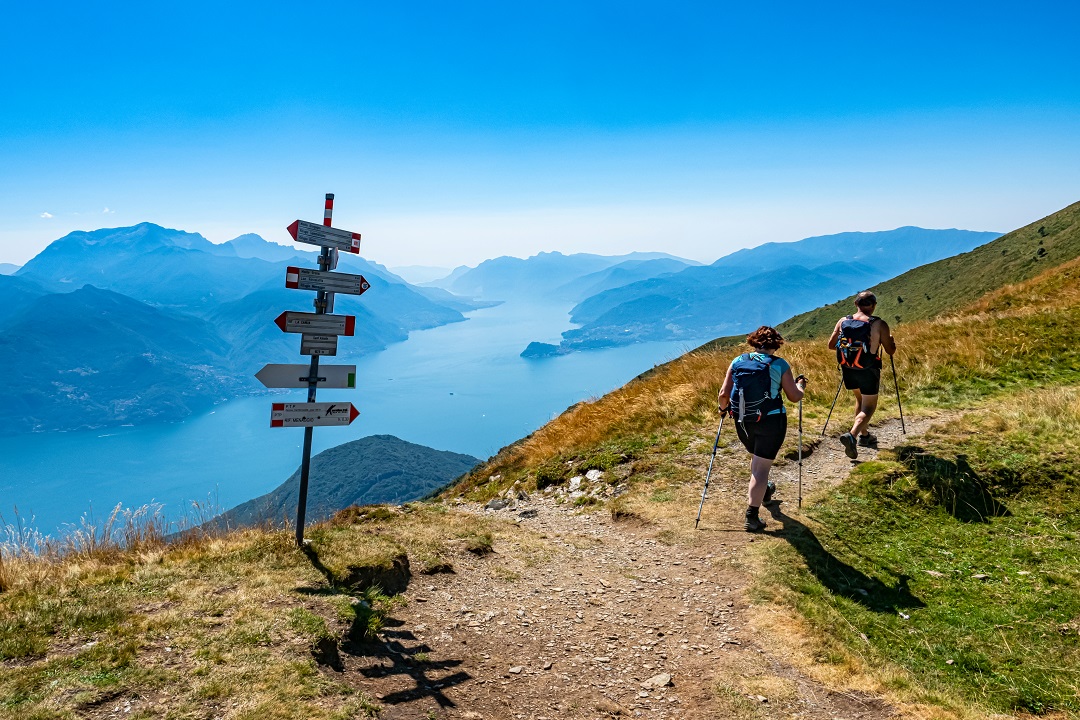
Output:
x=320 y=332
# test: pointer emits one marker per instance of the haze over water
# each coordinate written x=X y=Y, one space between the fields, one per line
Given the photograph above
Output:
x=460 y=387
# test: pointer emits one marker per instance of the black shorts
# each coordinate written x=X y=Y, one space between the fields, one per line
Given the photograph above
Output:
x=865 y=380
x=763 y=438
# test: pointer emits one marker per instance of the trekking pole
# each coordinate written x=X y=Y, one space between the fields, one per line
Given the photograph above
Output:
x=896 y=385
x=709 y=474
x=835 y=398
x=800 y=452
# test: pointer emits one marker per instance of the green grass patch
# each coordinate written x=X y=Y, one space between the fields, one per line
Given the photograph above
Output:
x=956 y=560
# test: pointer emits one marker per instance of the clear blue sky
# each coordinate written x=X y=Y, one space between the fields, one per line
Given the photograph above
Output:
x=452 y=132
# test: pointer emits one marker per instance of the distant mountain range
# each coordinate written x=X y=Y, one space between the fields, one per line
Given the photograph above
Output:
x=553 y=275
x=374 y=469
x=752 y=287
x=8 y=269
x=126 y=325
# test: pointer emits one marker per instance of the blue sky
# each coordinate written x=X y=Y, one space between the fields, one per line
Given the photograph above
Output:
x=452 y=132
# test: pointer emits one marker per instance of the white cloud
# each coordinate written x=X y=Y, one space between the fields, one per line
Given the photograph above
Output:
x=46 y=215
x=107 y=211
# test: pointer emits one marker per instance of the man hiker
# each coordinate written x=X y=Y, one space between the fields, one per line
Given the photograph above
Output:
x=858 y=340
x=751 y=395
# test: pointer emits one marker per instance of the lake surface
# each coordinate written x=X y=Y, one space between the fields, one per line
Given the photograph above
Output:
x=460 y=387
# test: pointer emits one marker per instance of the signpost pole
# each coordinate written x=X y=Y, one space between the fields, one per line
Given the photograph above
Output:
x=313 y=384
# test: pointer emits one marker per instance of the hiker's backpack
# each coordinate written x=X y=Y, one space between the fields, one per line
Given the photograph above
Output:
x=853 y=347
x=751 y=397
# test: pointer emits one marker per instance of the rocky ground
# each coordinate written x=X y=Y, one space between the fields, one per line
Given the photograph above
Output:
x=606 y=619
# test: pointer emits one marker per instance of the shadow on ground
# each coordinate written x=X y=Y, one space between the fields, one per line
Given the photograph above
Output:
x=838 y=576
x=395 y=651
x=956 y=486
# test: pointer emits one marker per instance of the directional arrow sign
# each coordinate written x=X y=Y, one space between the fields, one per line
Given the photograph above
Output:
x=331 y=237
x=312 y=414
x=301 y=322
x=296 y=376
x=306 y=279
x=318 y=344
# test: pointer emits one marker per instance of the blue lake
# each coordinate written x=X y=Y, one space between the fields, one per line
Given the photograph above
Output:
x=460 y=387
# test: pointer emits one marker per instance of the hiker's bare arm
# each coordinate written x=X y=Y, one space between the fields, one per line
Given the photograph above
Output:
x=723 y=400
x=885 y=338
x=791 y=388
x=835 y=335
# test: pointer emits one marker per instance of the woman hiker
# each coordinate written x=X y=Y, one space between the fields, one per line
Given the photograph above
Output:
x=751 y=395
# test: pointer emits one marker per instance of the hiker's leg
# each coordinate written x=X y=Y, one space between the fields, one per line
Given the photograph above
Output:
x=866 y=411
x=858 y=409
x=759 y=480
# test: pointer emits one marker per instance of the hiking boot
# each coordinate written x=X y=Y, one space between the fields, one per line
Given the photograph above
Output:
x=867 y=440
x=770 y=490
x=849 y=445
x=754 y=524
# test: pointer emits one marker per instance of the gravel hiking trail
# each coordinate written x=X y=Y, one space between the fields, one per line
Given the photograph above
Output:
x=610 y=619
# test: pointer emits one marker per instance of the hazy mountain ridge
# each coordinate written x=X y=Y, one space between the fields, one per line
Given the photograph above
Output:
x=546 y=274
x=755 y=286
x=373 y=469
x=952 y=282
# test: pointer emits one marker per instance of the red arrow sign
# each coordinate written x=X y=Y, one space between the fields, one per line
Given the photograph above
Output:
x=331 y=237
x=315 y=324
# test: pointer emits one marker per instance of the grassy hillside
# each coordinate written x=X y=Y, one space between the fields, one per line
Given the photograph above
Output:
x=950 y=284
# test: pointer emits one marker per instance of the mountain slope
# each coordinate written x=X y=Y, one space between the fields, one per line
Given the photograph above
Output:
x=92 y=358
x=371 y=470
x=951 y=283
x=17 y=294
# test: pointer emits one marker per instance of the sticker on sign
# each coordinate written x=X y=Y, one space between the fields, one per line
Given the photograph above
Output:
x=324 y=236
x=312 y=414
x=318 y=344
x=299 y=278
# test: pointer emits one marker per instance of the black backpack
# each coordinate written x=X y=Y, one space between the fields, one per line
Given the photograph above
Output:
x=853 y=347
x=751 y=397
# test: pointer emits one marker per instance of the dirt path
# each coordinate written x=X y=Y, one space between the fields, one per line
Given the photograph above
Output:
x=613 y=619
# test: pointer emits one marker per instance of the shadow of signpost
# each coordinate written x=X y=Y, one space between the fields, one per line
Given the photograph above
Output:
x=394 y=657
x=838 y=576
x=395 y=651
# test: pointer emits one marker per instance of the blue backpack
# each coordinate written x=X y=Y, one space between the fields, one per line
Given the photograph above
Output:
x=751 y=398
x=853 y=345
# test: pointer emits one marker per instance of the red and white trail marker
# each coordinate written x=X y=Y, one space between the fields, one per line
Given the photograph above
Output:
x=316 y=323
x=312 y=414
x=325 y=236
x=299 y=278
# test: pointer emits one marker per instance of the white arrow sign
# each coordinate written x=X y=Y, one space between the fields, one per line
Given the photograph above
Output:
x=312 y=414
x=315 y=324
x=307 y=279
x=318 y=344
x=331 y=237
x=296 y=376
